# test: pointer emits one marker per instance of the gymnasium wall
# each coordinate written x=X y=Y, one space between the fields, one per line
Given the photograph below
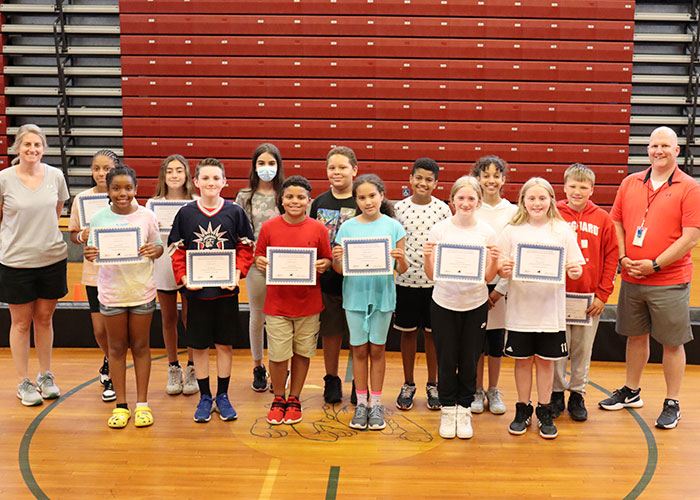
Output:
x=540 y=83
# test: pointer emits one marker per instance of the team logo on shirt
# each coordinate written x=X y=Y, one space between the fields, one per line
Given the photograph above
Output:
x=210 y=238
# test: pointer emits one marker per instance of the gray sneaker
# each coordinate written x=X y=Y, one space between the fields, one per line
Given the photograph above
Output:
x=175 y=380
x=47 y=387
x=191 y=386
x=359 y=420
x=405 y=399
x=496 y=404
x=28 y=393
x=478 y=403
x=433 y=398
x=376 y=421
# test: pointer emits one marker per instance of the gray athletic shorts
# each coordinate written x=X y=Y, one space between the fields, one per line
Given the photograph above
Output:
x=662 y=311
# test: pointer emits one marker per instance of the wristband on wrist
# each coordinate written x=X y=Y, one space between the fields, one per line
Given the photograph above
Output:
x=79 y=237
x=621 y=259
x=656 y=266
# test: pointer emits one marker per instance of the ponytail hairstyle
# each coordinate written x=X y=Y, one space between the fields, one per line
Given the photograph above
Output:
x=162 y=187
x=386 y=208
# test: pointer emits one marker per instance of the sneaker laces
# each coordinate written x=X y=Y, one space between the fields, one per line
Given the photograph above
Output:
x=545 y=416
x=432 y=391
x=407 y=391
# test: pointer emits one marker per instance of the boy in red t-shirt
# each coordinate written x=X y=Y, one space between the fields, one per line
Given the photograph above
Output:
x=595 y=233
x=292 y=310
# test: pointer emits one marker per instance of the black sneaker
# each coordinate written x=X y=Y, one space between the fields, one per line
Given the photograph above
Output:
x=108 y=393
x=405 y=399
x=544 y=416
x=332 y=389
x=104 y=371
x=622 y=398
x=557 y=402
x=523 y=415
x=670 y=415
x=353 y=394
x=577 y=408
x=259 y=379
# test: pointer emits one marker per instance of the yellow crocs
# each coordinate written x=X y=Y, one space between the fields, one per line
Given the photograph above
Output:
x=120 y=417
x=143 y=416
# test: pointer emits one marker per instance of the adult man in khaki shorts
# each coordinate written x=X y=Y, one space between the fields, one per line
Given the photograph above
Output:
x=657 y=220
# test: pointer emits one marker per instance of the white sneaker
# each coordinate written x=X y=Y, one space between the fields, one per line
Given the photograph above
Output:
x=47 y=387
x=464 y=422
x=496 y=404
x=448 y=422
x=28 y=393
x=175 y=379
x=191 y=385
x=478 y=403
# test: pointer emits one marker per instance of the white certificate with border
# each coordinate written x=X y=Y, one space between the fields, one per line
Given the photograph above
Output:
x=165 y=211
x=576 y=305
x=117 y=245
x=89 y=205
x=460 y=262
x=211 y=268
x=367 y=256
x=291 y=266
x=542 y=263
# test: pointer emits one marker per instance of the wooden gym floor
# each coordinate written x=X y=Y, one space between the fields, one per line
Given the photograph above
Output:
x=64 y=449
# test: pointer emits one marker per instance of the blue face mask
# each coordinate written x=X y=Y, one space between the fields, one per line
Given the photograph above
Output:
x=266 y=173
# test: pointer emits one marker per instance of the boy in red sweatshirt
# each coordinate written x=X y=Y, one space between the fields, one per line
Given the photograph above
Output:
x=595 y=233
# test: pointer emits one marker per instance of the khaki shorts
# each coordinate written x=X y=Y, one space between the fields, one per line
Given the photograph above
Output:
x=662 y=311
x=288 y=336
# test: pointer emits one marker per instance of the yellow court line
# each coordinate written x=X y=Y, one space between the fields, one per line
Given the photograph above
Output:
x=269 y=482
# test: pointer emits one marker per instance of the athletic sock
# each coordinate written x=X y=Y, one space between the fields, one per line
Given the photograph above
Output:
x=375 y=398
x=361 y=397
x=123 y=405
x=203 y=384
x=139 y=405
x=222 y=385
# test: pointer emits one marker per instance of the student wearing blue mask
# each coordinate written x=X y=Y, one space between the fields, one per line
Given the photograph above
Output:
x=260 y=202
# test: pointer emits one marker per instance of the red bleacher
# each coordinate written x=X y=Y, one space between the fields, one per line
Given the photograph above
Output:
x=540 y=83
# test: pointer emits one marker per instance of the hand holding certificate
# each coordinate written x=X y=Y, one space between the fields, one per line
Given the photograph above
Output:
x=89 y=205
x=367 y=256
x=211 y=268
x=291 y=266
x=117 y=245
x=577 y=305
x=542 y=263
x=460 y=262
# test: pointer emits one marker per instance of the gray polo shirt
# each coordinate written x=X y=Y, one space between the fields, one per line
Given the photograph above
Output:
x=29 y=234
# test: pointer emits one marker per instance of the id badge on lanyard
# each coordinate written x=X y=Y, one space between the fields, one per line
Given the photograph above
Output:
x=639 y=235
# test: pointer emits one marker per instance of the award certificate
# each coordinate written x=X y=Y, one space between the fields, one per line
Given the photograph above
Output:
x=576 y=305
x=117 y=245
x=543 y=263
x=211 y=268
x=460 y=262
x=291 y=266
x=165 y=211
x=367 y=256
x=90 y=204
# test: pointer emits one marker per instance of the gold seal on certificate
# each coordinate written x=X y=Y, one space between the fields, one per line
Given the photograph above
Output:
x=367 y=256
x=543 y=263
x=460 y=262
x=165 y=211
x=576 y=306
x=211 y=268
x=89 y=205
x=117 y=245
x=291 y=266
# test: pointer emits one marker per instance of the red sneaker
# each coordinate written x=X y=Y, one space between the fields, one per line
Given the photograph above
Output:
x=293 y=413
x=276 y=414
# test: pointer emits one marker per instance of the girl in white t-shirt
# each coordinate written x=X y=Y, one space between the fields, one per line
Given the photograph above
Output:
x=102 y=162
x=127 y=293
x=536 y=310
x=174 y=183
x=459 y=309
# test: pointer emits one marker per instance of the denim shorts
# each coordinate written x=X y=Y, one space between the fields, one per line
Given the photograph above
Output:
x=146 y=308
